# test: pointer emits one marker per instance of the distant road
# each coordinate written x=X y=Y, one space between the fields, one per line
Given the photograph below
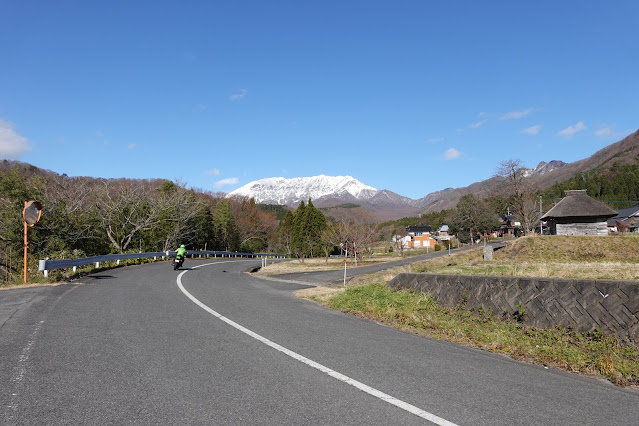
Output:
x=320 y=277
x=212 y=345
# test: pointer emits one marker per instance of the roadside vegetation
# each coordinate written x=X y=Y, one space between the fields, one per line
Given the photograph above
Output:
x=592 y=353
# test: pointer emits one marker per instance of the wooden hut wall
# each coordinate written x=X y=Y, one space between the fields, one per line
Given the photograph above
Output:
x=596 y=227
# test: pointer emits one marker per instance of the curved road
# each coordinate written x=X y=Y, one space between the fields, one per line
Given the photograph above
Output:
x=213 y=345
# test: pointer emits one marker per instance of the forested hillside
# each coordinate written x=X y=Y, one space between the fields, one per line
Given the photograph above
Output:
x=614 y=184
x=87 y=216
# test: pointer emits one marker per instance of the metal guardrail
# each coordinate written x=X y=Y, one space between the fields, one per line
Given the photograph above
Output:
x=47 y=265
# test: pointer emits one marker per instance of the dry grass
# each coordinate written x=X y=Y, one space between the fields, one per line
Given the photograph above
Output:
x=613 y=257
x=319 y=264
x=319 y=294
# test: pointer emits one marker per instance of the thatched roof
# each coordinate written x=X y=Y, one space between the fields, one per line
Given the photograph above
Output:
x=577 y=203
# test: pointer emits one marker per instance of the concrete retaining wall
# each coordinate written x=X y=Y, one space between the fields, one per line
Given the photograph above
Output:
x=612 y=306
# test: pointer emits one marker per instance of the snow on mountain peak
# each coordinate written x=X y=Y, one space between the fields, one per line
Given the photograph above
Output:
x=279 y=190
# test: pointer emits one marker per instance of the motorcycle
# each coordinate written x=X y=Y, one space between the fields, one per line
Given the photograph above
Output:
x=177 y=262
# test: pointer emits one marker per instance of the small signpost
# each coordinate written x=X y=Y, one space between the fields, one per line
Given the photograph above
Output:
x=345 y=260
x=31 y=214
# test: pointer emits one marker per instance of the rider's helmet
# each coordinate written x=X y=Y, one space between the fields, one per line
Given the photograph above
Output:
x=182 y=246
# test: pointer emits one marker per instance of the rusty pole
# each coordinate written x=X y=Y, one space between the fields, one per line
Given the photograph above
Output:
x=25 y=247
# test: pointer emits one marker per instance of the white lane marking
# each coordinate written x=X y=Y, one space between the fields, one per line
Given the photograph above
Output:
x=361 y=386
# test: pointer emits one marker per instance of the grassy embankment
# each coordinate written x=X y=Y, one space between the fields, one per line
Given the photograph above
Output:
x=592 y=353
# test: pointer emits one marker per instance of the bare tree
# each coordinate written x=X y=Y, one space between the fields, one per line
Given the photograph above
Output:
x=127 y=208
x=524 y=201
x=180 y=207
x=365 y=236
x=70 y=211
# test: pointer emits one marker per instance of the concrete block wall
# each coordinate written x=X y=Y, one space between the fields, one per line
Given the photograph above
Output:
x=610 y=305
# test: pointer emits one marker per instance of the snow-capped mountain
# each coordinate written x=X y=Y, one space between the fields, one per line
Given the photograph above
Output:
x=279 y=190
x=349 y=194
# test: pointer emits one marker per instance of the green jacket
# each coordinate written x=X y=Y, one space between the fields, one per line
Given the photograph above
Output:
x=180 y=252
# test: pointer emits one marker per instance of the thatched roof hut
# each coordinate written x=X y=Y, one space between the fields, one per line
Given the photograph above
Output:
x=579 y=214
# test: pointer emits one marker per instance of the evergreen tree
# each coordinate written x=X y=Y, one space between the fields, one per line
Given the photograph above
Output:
x=308 y=225
x=297 y=240
x=314 y=224
x=286 y=233
x=227 y=234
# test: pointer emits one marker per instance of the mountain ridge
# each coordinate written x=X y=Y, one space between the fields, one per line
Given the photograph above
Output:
x=385 y=204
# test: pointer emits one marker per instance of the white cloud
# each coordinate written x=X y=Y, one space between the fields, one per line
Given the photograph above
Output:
x=533 y=130
x=572 y=130
x=131 y=146
x=478 y=124
x=451 y=154
x=12 y=145
x=214 y=172
x=515 y=115
x=226 y=182
x=238 y=96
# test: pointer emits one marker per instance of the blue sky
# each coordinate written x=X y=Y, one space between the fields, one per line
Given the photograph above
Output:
x=410 y=96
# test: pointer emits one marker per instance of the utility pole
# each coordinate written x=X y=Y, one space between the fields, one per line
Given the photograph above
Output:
x=541 y=223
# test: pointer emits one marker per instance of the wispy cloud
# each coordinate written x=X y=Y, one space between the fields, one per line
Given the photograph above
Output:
x=435 y=140
x=239 y=96
x=608 y=131
x=515 y=115
x=214 y=172
x=132 y=145
x=478 y=124
x=226 y=182
x=532 y=130
x=451 y=154
x=572 y=130
x=12 y=145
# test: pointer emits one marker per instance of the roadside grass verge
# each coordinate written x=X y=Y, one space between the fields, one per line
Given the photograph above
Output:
x=591 y=353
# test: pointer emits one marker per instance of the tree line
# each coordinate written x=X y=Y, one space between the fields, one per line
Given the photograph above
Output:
x=87 y=217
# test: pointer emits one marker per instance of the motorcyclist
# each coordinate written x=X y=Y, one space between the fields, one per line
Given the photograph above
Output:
x=181 y=252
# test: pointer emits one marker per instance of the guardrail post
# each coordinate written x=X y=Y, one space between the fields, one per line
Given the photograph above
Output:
x=75 y=268
x=117 y=262
x=97 y=264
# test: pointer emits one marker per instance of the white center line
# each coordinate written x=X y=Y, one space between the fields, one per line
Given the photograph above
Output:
x=361 y=386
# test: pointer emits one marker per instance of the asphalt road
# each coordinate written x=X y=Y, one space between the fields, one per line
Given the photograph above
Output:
x=213 y=345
